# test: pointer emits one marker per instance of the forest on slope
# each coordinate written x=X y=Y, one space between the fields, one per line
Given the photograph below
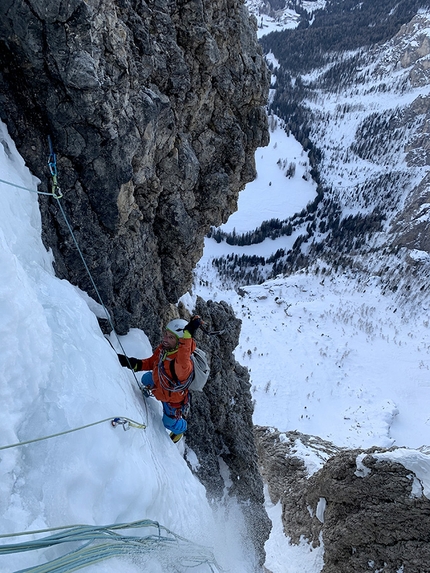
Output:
x=340 y=90
x=342 y=25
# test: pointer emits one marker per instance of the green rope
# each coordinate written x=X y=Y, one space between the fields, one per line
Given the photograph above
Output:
x=103 y=542
x=125 y=422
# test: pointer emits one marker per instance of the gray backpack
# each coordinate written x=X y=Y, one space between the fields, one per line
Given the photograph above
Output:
x=201 y=370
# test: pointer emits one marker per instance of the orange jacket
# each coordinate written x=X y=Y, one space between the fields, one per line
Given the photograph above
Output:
x=167 y=390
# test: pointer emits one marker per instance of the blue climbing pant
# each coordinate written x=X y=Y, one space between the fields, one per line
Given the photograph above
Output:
x=170 y=421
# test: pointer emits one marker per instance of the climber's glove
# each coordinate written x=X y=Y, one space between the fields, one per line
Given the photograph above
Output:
x=130 y=362
x=193 y=326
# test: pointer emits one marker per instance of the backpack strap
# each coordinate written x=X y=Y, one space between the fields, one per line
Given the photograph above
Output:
x=172 y=371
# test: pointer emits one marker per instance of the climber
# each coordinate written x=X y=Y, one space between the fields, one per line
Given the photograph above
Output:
x=171 y=371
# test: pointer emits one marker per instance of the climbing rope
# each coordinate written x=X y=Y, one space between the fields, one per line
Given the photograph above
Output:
x=25 y=188
x=126 y=424
x=103 y=542
x=57 y=194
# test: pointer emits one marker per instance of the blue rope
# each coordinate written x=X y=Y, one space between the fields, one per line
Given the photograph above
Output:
x=25 y=188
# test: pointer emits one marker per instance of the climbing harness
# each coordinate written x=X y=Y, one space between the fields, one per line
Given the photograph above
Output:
x=171 y=383
x=98 y=543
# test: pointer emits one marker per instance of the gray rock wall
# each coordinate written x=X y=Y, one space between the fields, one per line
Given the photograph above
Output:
x=220 y=428
x=155 y=110
x=373 y=521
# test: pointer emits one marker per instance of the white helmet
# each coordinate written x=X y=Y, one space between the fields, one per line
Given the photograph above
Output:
x=176 y=326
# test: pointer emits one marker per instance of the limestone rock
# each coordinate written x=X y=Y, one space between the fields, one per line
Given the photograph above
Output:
x=282 y=464
x=155 y=110
x=368 y=509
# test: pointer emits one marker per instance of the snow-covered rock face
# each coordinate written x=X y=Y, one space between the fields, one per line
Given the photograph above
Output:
x=364 y=506
x=62 y=462
x=414 y=44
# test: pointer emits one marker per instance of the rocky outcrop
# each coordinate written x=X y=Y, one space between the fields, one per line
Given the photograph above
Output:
x=369 y=510
x=374 y=518
x=283 y=467
x=155 y=110
x=220 y=428
x=411 y=225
